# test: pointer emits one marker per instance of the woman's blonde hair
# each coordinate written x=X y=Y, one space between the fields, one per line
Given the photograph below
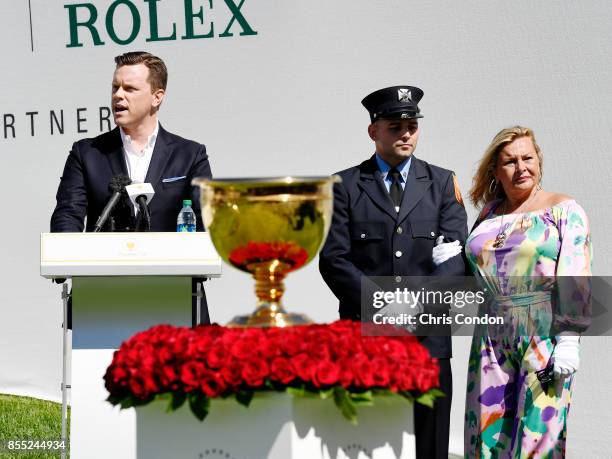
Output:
x=482 y=190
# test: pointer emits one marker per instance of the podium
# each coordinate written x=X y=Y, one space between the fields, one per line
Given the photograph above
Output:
x=122 y=283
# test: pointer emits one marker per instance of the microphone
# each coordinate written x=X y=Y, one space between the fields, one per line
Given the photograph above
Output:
x=140 y=194
x=116 y=187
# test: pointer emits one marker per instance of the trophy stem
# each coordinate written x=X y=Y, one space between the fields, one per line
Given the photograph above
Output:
x=269 y=288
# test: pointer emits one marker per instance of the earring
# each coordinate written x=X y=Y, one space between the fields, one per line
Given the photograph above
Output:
x=493 y=186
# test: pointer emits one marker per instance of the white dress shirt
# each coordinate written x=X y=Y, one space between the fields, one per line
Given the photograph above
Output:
x=138 y=161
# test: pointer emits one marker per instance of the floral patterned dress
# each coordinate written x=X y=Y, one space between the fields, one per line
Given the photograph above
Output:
x=509 y=412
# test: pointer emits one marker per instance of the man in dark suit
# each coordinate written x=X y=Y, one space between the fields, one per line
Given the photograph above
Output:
x=139 y=148
x=388 y=213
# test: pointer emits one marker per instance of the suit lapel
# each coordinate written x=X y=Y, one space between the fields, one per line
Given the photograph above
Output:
x=371 y=182
x=417 y=184
x=161 y=155
x=115 y=154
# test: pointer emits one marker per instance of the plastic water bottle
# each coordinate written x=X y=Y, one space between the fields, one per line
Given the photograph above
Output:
x=186 y=221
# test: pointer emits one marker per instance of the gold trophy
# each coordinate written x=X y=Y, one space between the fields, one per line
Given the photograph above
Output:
x=267 y=227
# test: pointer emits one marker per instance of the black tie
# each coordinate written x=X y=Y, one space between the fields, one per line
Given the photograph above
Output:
x=396 y=191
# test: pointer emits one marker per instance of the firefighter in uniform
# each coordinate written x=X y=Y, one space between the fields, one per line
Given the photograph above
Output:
x=388 y=213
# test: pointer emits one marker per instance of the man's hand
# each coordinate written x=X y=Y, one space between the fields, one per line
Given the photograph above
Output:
x=444 y=251
x=399 y=309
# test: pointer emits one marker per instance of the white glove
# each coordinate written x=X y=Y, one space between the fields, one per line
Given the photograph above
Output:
x=399 y=309
x=566 y=354
x=443 y=251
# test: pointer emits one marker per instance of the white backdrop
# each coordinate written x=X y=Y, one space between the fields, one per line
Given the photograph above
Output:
x=287 y=101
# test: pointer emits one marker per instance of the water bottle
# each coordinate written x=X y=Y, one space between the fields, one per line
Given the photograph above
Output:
x=186 y=221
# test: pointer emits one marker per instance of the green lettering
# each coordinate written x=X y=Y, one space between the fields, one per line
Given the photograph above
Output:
x=110 y=27
x=73 y=24
x=237 y=15
x=153 y=26
x=189 y=15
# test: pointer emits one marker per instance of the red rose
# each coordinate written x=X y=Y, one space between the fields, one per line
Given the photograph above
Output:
x=290 y=344
x=407 y=380
x=216 y=356
x=164 y=354
x=281 y=371
x=416 y=351
x=373 y=346
x=168 y=376
x=394 y=350
x=179 y=345
x=268 y=349
x=303 y=367
x=343 y=347
x=243 y=349
x=381 y=372
x=232 y=373
x=142 y=385
x=255 y=371
x=427 y=377
x=346 y=376
x=212 y=384
x=326 y=374
x=364 y=371
x=115 y=374
x=191 y=373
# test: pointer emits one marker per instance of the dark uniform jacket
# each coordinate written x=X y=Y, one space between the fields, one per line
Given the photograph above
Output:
x=369 y=238
x=83 y=189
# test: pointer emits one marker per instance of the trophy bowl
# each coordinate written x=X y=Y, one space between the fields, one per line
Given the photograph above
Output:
x=267 y=227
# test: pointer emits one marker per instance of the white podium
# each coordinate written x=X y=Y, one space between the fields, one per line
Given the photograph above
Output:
x=122 y=283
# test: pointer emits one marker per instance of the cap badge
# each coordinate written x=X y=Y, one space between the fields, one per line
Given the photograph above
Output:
x=404 y=116
x=404 y=95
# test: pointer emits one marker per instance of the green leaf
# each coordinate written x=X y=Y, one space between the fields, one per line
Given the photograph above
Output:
x=362 y=398
x=115 y=399
x=131 y=402
x=296 y=391
x=199 y=404
x=343 y=401
x=382 y=392
x=426 y=399
x=177 y=400
x=436 y=393
x=306 y=393
x=244 y=397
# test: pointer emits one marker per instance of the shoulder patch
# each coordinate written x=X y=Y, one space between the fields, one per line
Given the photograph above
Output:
x=457 y=190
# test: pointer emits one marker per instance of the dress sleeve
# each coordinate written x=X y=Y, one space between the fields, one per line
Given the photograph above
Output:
x=573 y=270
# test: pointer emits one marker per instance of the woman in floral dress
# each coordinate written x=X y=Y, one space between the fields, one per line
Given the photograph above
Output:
x=525 y=241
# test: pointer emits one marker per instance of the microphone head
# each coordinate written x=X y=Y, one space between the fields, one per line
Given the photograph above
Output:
x=136 y=190
x=118 y=183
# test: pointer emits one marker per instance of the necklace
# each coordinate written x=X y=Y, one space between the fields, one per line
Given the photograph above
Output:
x=502 y=235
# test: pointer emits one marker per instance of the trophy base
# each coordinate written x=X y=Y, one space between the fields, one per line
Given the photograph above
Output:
x=263 y=319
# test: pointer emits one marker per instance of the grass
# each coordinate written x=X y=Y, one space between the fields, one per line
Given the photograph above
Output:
x=26 y=418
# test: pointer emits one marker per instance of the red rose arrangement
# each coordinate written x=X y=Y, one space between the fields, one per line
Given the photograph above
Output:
x=256 y=252
x=335 y=360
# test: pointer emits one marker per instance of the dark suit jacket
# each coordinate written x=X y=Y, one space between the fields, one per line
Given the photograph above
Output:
x=83 y=189
x=367 y=234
